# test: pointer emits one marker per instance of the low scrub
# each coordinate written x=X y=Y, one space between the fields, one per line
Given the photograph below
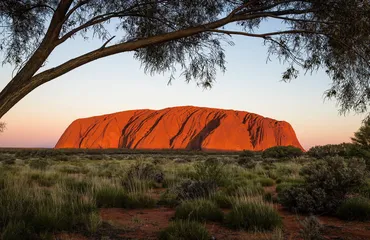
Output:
x=327 y=183
x=199 y=210
x=255 y=216
x=355 y=209
x=185 y=230
x=282 y=152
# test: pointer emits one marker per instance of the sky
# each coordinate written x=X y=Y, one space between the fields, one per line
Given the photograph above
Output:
x=118 y=83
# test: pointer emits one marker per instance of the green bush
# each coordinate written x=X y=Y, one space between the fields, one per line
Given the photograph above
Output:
x=355 y=209
x=346 y=150
x=253 y=216
x=185 y=230
x=199 y=210
x=110 y=197
x=282 y=152
x=327 y=182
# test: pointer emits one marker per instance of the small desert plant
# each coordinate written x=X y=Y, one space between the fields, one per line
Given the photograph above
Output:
x=253 y=216
x=355 y=209
x=199 y=210
x=192 y=189
x=110 y=197
x=185 y=230
x=311 y=229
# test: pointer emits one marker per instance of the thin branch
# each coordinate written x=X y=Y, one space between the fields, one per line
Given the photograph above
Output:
x=105 y=44
x=262 y=35
x=70 y=12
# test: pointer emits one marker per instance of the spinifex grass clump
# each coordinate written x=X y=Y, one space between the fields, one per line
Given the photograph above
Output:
x=31 y=210
x=253 y=215
x=185 y=230
x=199 y=210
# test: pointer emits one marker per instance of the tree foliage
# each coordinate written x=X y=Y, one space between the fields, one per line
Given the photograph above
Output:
x=362 y=136
x=188 y=35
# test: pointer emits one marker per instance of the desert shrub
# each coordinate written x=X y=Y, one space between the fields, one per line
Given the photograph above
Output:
x=139 y=200
x=185 y=230
x=192 y=189
x=311 y=229
x=222 y=199
x=211 y=170
x=326 y=185
x=253 y=216
x=265 y=182
x=346 y=150
x=169 y=199
x=282 y=152
x=110 y=197
x=198 y=210
x=301 y=199
x=355 y=209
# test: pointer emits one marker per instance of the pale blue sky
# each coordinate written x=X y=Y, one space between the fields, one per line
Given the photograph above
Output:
x=118 y=83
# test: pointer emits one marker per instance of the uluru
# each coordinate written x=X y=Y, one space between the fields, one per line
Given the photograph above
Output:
x=185 y=127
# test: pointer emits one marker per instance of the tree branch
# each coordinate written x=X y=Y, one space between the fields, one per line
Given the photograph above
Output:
x=262 y=35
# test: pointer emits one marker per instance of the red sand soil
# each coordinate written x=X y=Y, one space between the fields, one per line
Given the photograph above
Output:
x=147 y=223
x=191 y=128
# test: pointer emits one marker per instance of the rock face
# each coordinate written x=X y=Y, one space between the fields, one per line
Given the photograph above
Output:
x=191 y=128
